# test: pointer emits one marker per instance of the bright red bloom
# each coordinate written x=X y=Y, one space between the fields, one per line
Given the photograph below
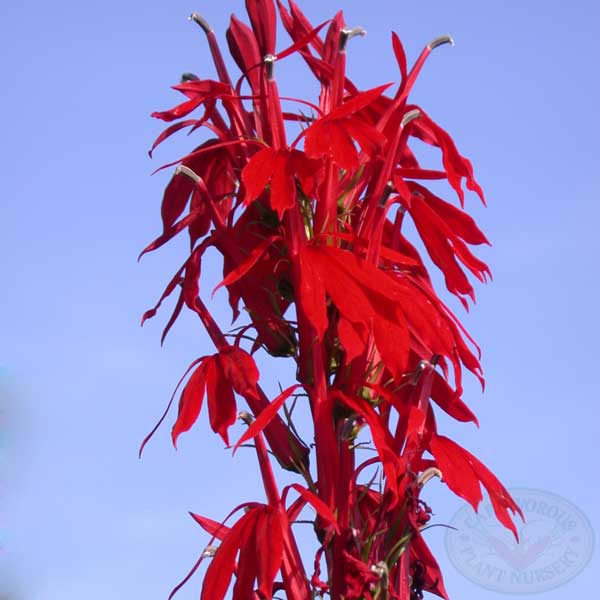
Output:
x=310 y=230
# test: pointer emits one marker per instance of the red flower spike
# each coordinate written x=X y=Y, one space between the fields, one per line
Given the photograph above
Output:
x=319 y=270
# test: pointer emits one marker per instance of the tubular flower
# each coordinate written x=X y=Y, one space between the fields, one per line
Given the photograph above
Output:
x=305 y=201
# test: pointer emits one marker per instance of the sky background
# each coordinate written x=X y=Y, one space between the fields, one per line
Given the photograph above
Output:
x=81 y=383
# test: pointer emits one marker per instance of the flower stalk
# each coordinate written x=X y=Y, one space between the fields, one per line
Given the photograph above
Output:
x=313 y=250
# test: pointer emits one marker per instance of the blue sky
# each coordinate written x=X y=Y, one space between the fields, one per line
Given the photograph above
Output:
x=82 y=384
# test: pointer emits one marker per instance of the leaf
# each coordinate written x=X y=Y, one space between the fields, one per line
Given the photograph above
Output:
x=266 y=415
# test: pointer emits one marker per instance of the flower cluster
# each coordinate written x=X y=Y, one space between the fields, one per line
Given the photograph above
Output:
x=306 y=203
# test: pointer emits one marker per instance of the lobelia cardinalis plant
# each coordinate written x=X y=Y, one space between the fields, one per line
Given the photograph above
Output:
x=306 y=205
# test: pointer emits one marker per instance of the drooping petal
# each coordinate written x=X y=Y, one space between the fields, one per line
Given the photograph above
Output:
x=191 y=400
x=220 y=399
x=257 y=173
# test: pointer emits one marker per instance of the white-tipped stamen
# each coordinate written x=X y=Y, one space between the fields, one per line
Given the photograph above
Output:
x=246 y=417
x=428 y=474
x=347 y=34
x=440 y=41
x=183 y=170
x=411 y=115
x=380 y=569
x=269 y=61
x=387 y=190
x=200 y=20
x=209 y=551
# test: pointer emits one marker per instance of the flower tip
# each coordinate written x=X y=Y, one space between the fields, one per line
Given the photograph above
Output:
x=246 y=417
x=427 y=475
x=183 y=170
x=200 y=20
x=440 y=41
x=411 y=115
x=347 y=34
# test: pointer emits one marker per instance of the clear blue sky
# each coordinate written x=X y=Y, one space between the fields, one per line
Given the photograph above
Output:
x=82 y=383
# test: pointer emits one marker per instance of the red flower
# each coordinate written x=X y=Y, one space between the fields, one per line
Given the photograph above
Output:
x=231 y=370
x=318 y=269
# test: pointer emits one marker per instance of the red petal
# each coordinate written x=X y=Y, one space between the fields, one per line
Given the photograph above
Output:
x=283 y=185
x=170 y=131
x=358 y=102
x=263 y=18
x=219 y=573
x=243 y=268
x=400 y=55
x=322 y=509
x=220 y=399
x=457 y=472
x=266 y=415
x=216 y=530
x=269 y=550
x=191 y=400
x=257 y=172
x=240 y=370
x=312 y=292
